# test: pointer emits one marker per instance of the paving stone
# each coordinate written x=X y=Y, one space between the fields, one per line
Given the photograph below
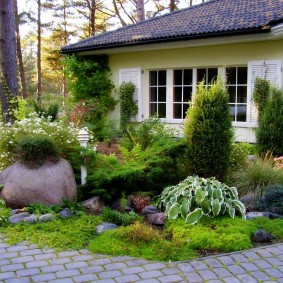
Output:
x=104 y=281
x=52 y=268
x=115 y=266
x=207 y=274
x=67 y=273
x=64 y=280
x=62 y=260
x=11 y=267
x=68 y=254
x=262 y=264
x=132 y=270
x=170 y=279
x=101 y=261
x=170 y=271
x=274 y=250
x=199 y=265
x=22 y=259
x=222 y=272
x=148 y=281
x=247 y=278
x=28 y=272
x=18 y=280
x=109 y=274
x=260 y=276
x=193 y=277
x=7 y=275
x=4 y=261
x=45 y=256
x=226 y=260
x=239 y=258
x=82 y=257
x=127 y=278
x=251 y=255
x=85 y=278
x=236 y=269
x=249 y=267
x=273 y=272
x=43 y=277
x=264 y=253
x=150 y=274
x=136 y=262
x=8 y=255
x=185 y=267
x=231 y=280
x=274 y=261
x=213 y=262
x=76 y=265
x=153 y=266
x=39 y=263
x=30 y=252
x=214 y=281
x=16 y=248
x=91 y=269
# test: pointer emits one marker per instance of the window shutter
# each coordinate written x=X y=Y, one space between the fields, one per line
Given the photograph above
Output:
x=134 y=75
x=270 y=70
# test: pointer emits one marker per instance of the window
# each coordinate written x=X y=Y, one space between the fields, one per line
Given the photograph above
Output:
x=157 y=93
x=206 y=74
x=236 y=82
x=182 y=92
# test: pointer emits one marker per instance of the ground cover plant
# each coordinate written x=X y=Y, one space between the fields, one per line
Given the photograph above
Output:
x=178 y=240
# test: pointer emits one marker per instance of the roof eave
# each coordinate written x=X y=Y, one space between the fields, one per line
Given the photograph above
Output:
x=167 y=39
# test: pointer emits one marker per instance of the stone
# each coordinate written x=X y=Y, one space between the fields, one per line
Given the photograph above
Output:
x=255 y=214
x=31 y=219
x=15 y=211
x=18 y=217
x=156 y=218
x=117 y=205
x=47 y=217
x=105 y=226
x=149 y=209
x=94 y=205
x=262 y=236
x=249 y=201
x=47 y=185
x=66 y=212
x=129 y=207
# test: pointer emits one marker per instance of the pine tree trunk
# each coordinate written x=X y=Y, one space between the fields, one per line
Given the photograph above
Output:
x=39 y=50
x=19 y=53
x=8 y=58
x=140 y=10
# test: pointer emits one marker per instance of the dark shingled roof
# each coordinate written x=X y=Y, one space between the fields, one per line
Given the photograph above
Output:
x=213 y=18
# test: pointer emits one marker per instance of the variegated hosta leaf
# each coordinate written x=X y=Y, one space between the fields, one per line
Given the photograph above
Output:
x=216 y=206
x=194 y=216
x=201 y=193
x=232 y=212
x=206 y=206
x=240 y=207
x=233 y=192
x=217 y=193
x=185 y=208
x=174 y=211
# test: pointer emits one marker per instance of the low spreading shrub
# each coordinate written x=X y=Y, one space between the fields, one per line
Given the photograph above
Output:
x=272 y=199
x=118 y=218
x=4 y=213
x=34 y=150
x=197 y=197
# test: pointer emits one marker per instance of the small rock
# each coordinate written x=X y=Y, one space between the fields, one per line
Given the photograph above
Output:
x=249 y=201
x=156 y=218
x=31 y=219
x=261 y=236
x=117 y=205
x=129 y=207
x=105 y=226
x=47 y=217
x=255 y=214
x=18 y=217
x=66 y=212
x=15 y=211
x=272 y=215
x=149 y=209
x=94 y=205
x=252 y=158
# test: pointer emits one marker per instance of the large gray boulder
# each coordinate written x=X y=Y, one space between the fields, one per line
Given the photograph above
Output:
x=48 y=184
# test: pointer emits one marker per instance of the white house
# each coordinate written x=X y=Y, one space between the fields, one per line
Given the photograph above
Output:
x=167 y=56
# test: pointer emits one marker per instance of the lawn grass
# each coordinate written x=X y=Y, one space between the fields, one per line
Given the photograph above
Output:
x=178 y=241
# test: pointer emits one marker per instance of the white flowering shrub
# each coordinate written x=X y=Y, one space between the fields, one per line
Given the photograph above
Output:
x=4 y=213
x=64 y=135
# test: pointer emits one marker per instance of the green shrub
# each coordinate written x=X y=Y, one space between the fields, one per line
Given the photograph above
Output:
x=118 y=218
x=128 y=107
x=50 y=111
x=261 y=94
x=272 y=198
x=208 y=130
x=197 y=197
x=4 y=213
x=256 y=176
x=34 y=150
x=269 y=132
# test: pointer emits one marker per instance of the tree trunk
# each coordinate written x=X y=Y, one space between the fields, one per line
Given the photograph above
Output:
x=19 y=52
x=8 y=59
x=39 y=50
x=172 y=5
x=140 y=10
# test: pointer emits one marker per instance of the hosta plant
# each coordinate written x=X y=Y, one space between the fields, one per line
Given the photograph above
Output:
x=196 y=197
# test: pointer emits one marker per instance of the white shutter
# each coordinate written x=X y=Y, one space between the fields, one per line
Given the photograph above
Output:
x=269 y=70
x=134 y=75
